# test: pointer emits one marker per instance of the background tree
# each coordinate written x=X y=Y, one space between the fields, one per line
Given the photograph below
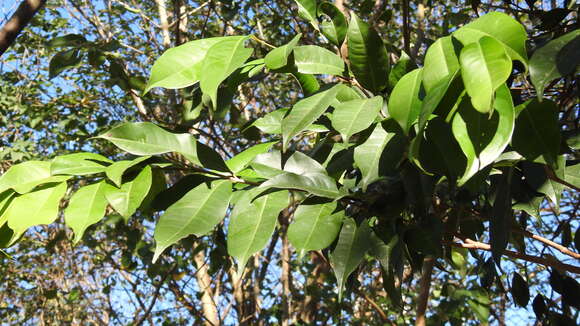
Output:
x=101 y=53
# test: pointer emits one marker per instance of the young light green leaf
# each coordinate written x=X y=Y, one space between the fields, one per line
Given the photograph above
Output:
x=34 y=208
x=78 y=164
x=367 y=55
x=354 y=116
x=406 y=100
x=24 y=177
x=501 y=27
x=146 y=138
x=305 y=112
x=86 y=207
x=307 y=10
x=271 y=123
x=312 y=59
x=180 y=66
x=221 y=60
x=198 y=212
x=485 y=66
x=548 y=63
x=315 y=227
x=126 y=199
x=537 y=133
x=353 y=243
x=252 y=224
x=441 y=61
x=241 y=160
x=335 y=29
x=116 y=170
x=482 y=137
x=278 y=57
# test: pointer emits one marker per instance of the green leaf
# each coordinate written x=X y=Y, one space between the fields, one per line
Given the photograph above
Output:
x=353 y=243
x=312 y=59
x=502 y=216
x=34 y=208
x=550 y=61
x=520 y=291
x=278 y=57
x=6 y=198
x=483 y=137
x=354 y=116
x=126 y=199
x=64 y=60
x=307 y=11
x=24 y=177
x=241 y=160
x=573 y=176
x=305 y=112
x=500 y=26
x=180 y=66
x=146 y=138
x=221 y=60
x=69 y=40
x=537 y=132
x=368 y=57
x=78 y=164
x=315 y=227
x=303 y=173
x=371 y=157
x=403 y=66
x=271 y=123
x=86 y=207
x=406 y=99
x=536 y=177
x=335 y=29
x=252 y=224
x=198 y=212
x=485 y=66
x=268 y=165
x=116 y=170
x=441 y=61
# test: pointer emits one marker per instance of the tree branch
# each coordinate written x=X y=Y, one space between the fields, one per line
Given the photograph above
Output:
x=424 y=285
x=21 y=18
x=550 y=243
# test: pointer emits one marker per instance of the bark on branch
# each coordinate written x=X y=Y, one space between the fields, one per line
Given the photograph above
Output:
x=424 y=285
x=21 y=18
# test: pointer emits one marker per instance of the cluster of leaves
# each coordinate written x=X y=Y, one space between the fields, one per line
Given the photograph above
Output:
x=403 y=158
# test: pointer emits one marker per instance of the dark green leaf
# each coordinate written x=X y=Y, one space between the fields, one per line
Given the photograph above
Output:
x=520 y=291
x=64 y=60
x=335 y=29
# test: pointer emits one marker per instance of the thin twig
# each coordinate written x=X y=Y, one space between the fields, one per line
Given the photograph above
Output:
x=550 y=243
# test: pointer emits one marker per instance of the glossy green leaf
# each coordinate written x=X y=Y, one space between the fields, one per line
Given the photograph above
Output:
x=308 y=83
x=198 y=212
x=406 y=99
x=86 y=207
x=24 y=177
x=268 y=165
x=441 y=61
x=221 y=60
x=303 y=173
x=305 y=112
x=315 y=227
x=146 y=138
x=116 y=170
x=482 y=137
x=403 y=66
x=307 y=11
x=550 y=61
x=354 y=116
x=64 y=60
x=78 y=164
x=520 y=291
x=335 y=29
x=34 y=208
x=485 y=66
x=368 y=58
x=369 y=157
x=312 y=59
x=278 y=57
x=180 y=66
x=241 y=160
x=353 y=243
x=500 y=26
x=271 y=123
x=252 y=224
x=537 y=133
x=126 y=199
